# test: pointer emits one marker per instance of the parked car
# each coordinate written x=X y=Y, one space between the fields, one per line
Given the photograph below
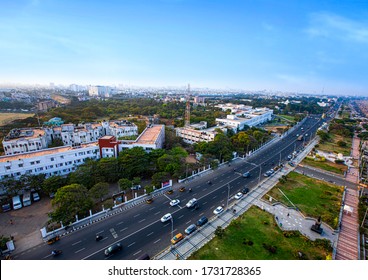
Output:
x=6 y=207
x=177 y=238
x=218 y=210
x=202 y=221
x=166 y=217
x=190 y=229
x=113 y=249
x=35 y=196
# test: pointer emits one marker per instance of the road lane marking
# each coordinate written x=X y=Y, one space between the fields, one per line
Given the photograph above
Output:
x=119 y=223
x=135 y=216
x=113 y=232
x=204 y=203
x=181 y=216
x=123 y=229
x=141 y=221
x=77 y=242
x=80 y=250
x=131 y=244
x=214 y=197
x=136 y=253
x=157 y=213
x=188 y=222
x=156 y=241
x=149 y=234
x=100 y=232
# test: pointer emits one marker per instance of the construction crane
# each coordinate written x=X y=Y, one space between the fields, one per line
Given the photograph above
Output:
x=187 y=108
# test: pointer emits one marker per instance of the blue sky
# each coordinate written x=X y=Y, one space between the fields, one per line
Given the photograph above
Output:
x=308 y=46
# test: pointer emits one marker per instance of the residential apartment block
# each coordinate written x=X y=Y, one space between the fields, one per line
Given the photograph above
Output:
x=64 y=160
x=26 y=140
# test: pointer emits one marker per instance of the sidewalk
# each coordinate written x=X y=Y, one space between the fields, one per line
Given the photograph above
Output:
x=290 y=219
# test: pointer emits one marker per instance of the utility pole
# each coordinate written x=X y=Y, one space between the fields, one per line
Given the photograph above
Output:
x=228 y=196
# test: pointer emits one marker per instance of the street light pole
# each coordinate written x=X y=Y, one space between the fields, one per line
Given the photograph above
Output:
x=260 y=171
x=280 y=159
x=228 y=195
x=172 y=227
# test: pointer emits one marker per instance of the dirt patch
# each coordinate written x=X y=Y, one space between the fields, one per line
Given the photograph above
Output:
x=26 y=224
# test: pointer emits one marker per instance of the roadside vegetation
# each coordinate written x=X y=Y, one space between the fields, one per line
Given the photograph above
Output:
x=339 y=137
x=255 y=236
x=313 y=197
x=326 y=165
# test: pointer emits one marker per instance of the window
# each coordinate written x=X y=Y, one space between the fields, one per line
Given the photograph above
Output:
x=52 y=159
x=20 y=165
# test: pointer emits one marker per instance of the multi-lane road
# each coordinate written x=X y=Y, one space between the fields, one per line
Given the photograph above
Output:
x=139 y=229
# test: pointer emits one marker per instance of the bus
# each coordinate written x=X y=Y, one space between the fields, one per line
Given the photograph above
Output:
x=27 y=198
x=17 y=204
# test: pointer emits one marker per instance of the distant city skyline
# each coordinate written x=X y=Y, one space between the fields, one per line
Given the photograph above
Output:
x=306 y=46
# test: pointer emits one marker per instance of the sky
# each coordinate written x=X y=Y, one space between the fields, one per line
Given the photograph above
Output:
x=309 y=46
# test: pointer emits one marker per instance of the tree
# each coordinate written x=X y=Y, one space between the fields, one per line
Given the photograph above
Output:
x=99 y=190
x=160 y=177
x=109 y=169
x=124 y=184
x=69 y=201
x=52 y=184
x=219 y=232
x=341 y=143
x=87 y=174
x=323 y=135
x=133 y=162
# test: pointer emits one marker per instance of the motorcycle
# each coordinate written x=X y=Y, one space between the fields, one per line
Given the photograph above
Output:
x=190 y=190
x=56 y=252
x=98 y=237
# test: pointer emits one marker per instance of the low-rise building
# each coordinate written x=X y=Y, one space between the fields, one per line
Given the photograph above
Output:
x=54 y=161
x=191 y=136
x=153 y=137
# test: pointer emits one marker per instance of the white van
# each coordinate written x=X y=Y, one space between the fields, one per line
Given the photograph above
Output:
x=17 y=204
x=27 y=198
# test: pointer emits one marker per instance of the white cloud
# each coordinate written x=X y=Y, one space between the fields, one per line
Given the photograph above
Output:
x=334 y=26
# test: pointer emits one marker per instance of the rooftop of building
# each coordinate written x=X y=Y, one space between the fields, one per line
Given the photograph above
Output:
x=24 y=133
x=150 y=134
x=45 y=152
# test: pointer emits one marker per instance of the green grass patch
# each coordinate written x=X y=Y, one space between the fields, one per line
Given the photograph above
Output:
x=255 y=236
x=313 y=197
x=326 y=165
x=288 y=117
x=331 y=145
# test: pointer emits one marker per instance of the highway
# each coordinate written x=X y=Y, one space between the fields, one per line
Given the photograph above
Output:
x=139 y=229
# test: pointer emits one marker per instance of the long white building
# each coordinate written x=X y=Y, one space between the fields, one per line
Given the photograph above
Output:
x=54 y=161
x=242 y=117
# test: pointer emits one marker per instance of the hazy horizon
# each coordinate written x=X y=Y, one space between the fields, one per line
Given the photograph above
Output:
x=287 y=46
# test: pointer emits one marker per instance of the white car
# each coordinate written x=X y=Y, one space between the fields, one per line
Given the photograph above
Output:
x=174 y=202
x=239 y=195
x=166 y=217
x=218 y=210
